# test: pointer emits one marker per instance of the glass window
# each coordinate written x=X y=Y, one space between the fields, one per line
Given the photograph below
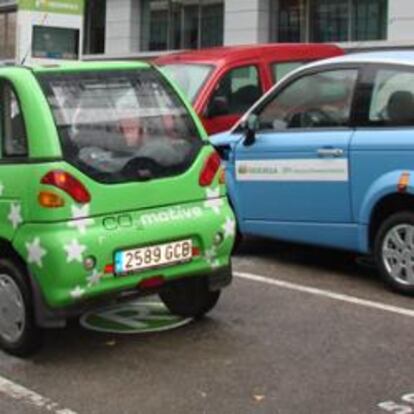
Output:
x=291 y=20
x=322 y=100
x=237 y=91
x=158 y=25
x=330 y=20
x=190 y=78
x=94 y=30
x=122 y=126
x=8 y=35
x=369 y=19
x=212 y=24
x=12 y=132
x=281 y=69
x=181 y=24
x=392 y=102
x=55 y=43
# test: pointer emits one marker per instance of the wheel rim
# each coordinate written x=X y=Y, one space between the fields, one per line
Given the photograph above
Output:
x=398 y=254
x=12 y=309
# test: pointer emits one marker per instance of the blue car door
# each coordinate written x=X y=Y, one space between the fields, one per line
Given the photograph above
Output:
x=297 y=170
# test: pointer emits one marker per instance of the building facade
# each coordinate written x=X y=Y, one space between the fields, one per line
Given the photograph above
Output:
x=133 y=28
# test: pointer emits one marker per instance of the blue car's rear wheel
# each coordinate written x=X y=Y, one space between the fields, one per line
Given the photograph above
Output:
x=394 y=251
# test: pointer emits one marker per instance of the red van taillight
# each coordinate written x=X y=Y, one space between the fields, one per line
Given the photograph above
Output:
x=210 y=169
x=69 y=184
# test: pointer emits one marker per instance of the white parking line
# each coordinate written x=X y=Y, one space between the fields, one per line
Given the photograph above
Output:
x=325 y=293
x=20 y=393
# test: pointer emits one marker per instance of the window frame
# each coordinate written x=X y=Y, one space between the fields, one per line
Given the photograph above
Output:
x=221 y=77
x=4 y=156
x=281 y=86
x=7 y=11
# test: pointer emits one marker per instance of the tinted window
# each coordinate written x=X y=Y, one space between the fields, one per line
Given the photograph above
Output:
x=238 y=90
x=281 y=69
x=321 y=100
x=392 y=102
x=13 y=133
x=121 y=126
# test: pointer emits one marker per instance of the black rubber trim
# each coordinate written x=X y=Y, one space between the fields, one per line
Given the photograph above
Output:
x=220 y=278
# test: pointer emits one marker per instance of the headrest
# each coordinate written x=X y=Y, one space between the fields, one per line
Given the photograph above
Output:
x=400 y=107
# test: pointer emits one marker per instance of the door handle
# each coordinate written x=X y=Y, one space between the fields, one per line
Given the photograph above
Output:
x=330 y=152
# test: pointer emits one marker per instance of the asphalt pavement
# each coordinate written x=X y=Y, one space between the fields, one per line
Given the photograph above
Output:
x=315 y=332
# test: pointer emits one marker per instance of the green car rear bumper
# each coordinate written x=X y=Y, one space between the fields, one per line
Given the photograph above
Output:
x=55 y=253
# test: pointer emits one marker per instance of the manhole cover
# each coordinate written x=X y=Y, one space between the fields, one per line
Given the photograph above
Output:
x=132 y=318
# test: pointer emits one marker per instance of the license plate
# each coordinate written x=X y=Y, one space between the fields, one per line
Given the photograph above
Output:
x=153 y=256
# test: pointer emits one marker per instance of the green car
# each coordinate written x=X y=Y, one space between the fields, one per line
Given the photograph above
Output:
x=109 y=189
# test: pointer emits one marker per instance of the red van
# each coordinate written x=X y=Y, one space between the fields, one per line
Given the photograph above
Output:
x=223 y=82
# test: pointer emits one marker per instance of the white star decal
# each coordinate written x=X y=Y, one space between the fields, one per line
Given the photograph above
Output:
x=211 y=256
x=15 y=215
x=77 y=293
x=94 y=278
x=1 y=189
x=74 y=251
x=80 y=218
x=36 y=252
x=213 y=199
x=229 y=228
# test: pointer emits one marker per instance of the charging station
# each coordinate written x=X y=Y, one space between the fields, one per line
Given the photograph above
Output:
x=49 y=31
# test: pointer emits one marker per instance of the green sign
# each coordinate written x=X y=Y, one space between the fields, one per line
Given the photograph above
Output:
x=53 y=6
x=133 y=318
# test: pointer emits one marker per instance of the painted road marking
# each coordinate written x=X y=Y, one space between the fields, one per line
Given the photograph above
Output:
x=326 y=293
x=22 y=394
x=405 y=406
x=133 y=318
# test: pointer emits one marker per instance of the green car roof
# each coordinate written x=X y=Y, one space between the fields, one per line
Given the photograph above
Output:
x=86 y=66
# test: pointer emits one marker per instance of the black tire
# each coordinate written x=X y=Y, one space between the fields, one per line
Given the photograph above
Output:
x=387 y=264
x=238 y=240
x=189 y=297
x=28 y=338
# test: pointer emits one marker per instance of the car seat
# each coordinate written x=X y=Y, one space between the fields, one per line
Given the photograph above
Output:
x=244 y=98
x=400 y=108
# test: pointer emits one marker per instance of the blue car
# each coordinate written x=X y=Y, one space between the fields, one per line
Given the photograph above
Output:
x=327 y=158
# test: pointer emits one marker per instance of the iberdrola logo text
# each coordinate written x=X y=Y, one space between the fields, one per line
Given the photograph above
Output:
x=245 y=169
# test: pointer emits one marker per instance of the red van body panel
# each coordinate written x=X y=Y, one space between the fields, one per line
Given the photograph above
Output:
x=223 y=59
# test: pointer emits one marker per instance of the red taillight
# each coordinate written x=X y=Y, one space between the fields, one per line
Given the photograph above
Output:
x=109 y=269
x=196 y=251
x=210 y=169
x=69 y=184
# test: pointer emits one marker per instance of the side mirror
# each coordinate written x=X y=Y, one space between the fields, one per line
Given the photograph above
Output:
x=250 y=126
x=218 y=106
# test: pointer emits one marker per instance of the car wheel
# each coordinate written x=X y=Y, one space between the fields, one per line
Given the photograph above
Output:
x=19 y=334
x=189 y=297
x=394 y=252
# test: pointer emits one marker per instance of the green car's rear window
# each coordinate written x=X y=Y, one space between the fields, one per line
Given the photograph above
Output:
x=122 y=125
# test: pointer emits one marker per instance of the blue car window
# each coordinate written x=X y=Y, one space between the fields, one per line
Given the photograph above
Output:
x=321 y=100
x=392 y=102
